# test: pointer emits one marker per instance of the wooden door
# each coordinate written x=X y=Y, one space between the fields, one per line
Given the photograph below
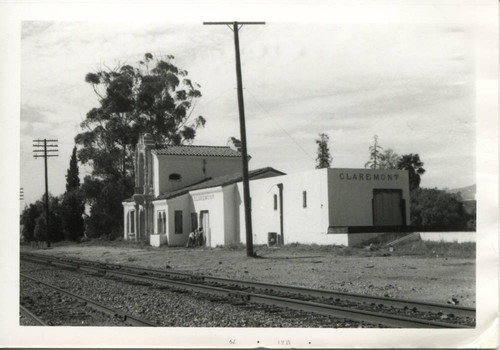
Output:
x=205 y=225
x=387 y=207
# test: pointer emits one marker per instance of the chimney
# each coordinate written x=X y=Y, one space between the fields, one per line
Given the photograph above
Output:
x=234 y=144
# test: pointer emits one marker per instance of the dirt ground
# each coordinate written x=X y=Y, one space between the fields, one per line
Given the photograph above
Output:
x=437 y=276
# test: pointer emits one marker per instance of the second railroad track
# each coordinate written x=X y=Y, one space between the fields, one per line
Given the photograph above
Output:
x=382 y=311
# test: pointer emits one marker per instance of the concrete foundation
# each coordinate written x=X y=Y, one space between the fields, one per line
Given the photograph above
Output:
x=158 y=240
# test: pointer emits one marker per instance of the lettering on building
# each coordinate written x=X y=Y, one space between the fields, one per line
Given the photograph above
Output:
x=368 y=177
x=203 y=197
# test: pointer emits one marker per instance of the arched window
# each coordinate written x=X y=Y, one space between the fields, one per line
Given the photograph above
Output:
x=127 y=224
x=141 y=171
x=174 y=177
x=132 y=221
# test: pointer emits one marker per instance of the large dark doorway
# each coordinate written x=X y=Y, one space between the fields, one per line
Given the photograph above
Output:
x=205 y=225
x=388 y=207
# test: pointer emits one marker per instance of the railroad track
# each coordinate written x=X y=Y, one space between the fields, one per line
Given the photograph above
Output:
x=127 y=319
x=384 y=311
x=29 y=315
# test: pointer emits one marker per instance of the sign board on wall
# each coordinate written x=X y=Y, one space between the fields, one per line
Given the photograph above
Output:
x=203 y=197
x=368 y=177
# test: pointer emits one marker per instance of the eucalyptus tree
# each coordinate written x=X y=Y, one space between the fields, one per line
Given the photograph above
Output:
x=389 y=159
x=152 y=96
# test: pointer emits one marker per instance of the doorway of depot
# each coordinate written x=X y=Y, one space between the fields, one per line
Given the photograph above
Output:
x=388 y=207
x=205 y=225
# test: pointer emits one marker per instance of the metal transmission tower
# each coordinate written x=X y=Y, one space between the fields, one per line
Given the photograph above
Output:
x=45 y=149
x=235 y=27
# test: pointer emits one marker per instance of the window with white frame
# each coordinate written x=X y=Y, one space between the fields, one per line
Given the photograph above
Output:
x=178 y=221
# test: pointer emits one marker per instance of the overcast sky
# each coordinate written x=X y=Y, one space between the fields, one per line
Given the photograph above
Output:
x=411 y=82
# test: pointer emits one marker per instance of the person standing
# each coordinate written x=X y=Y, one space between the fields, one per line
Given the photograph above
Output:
x=191 y=240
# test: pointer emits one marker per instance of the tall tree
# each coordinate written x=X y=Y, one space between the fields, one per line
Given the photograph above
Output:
x=414 y=165
x=324 y=159
x=72 y=176
x=40 y=232
x=389 y=159
x=28 y=219
x=34 y=216
x=106 y=212
x=73 y=205
x=152 y=96
x=375 y=155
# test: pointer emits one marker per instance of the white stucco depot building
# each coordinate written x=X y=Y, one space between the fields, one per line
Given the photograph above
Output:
x=179 y=188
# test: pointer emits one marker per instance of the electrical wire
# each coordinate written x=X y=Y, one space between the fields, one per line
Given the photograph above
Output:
x=268 y=116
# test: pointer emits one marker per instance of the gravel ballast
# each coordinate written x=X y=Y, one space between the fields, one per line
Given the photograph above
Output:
x=438 y=276
x=169 y=308
x=57 y=309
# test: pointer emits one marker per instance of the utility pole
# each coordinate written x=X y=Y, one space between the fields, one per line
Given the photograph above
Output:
x=46 y=147
x=235 y=27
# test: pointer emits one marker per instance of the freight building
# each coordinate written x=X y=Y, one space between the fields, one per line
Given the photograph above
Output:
x=180 y=188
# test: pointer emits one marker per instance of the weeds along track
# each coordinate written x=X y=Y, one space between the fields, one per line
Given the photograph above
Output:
x=380 y=311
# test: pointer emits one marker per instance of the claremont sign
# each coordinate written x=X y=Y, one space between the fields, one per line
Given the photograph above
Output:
x=368 y=177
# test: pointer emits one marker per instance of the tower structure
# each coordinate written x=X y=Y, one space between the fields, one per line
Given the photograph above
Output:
x=143 y=191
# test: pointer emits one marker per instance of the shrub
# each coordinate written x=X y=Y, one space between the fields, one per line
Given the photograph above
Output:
x=437 y=210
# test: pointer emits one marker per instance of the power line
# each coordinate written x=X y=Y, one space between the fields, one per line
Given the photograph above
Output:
x=268 y=115
x=45 y=146
x=235 y=27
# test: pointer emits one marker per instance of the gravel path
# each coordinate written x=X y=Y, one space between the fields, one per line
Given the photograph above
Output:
x=169 y=308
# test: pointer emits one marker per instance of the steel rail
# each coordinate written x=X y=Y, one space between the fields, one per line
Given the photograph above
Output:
x=128 y=319
x=421 y=306
x=27 y=313
x=295 y=304
x=385 y=319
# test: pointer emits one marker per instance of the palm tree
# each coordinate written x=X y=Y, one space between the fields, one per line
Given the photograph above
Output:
x=413 y=164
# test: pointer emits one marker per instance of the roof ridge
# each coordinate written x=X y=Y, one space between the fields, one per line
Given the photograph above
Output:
x=166 y=146
x=229 y=179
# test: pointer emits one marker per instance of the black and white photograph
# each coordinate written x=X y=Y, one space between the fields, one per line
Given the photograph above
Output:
x=223 y=175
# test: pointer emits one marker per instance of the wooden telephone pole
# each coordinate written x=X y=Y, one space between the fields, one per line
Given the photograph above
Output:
x=235 y=27
x=45 y=147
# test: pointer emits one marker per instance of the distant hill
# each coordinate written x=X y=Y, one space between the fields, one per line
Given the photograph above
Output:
x=468 y=193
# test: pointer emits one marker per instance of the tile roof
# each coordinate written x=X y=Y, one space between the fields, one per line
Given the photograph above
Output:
x=190 y=150
x=223 y=180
